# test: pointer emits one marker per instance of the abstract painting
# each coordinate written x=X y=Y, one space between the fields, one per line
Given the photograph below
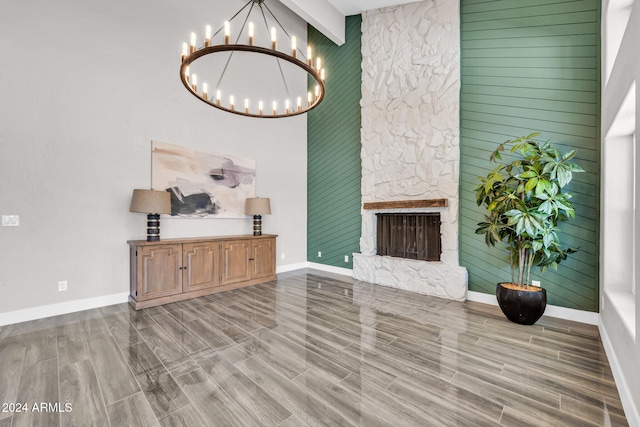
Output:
x=202 y=185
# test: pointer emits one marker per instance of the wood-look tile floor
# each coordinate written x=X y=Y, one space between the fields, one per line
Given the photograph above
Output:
x=310 y=349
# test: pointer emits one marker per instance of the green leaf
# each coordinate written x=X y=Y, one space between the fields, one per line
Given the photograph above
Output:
x=531 y=184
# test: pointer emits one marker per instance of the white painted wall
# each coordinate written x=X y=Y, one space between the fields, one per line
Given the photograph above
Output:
x=619 y=322
x=84 y=87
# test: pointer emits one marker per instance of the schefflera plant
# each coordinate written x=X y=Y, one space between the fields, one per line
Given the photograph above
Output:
x=525 y=202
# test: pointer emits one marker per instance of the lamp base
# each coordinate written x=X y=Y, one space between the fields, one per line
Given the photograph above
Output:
x=153 y=228
x=257 y=225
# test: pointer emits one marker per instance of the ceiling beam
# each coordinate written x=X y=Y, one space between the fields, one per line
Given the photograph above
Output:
x=322 y=15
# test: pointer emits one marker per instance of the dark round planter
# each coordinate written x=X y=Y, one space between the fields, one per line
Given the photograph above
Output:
x=522 y=306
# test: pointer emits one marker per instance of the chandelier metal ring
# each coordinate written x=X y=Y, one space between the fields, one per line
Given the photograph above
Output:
x=207 y=50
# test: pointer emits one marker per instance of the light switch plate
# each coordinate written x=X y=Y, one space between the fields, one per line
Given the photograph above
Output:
x=10 y=220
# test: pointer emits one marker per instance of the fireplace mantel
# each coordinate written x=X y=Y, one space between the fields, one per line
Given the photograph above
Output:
x=407 y=204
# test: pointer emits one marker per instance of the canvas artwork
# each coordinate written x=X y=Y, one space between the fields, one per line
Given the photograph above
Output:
x=202 y=185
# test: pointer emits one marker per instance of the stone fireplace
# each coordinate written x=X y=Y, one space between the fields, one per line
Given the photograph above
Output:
x=410 y=139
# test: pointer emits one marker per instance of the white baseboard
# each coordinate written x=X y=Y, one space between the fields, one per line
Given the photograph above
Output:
x=331 y=269
x=630 y=409
x=41 y=312
x=291 y=267
x=581 y=316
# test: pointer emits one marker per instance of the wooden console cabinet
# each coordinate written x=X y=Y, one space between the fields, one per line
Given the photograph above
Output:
x=177 y=269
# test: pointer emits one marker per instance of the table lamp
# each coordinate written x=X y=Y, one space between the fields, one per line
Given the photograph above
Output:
x=257 y=207
x=153 y=203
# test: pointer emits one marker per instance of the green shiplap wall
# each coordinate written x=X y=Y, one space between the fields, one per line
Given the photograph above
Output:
x=334 y=171
x=532 y=65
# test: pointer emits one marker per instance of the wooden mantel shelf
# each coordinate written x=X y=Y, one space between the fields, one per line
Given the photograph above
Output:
x=407 y=204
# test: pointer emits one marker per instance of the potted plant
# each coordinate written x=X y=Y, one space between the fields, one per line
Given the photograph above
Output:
x=525 y=201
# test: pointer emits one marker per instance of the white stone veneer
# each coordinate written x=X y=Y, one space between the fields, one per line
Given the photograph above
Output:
x=410 y=136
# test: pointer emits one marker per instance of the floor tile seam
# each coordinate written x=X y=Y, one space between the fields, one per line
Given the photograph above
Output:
x=336 y=362
x=98 y=382
x=565 y=422
x=548 y=334
x=578 y=414
x=186 y=395
x=573 y=392
x=323 y=400
x=552 y=354
x=206 y=326
x=579 y=376
x=258 y=308
x=551 y=394
x=238 y=404
x=167 y=370
x=341 y=365
x=159 y=419
x=326 y=341
x=586 y=375
x=509 y=402
x=438 y=399
x=412 y=364
x=468 y=357
x=252 y=382
x=596 y=360
x=572 y=350
x=280 y=374
x=184 y=325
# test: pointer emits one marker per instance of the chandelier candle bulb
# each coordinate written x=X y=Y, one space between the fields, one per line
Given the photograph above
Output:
x=299 y=103
x=309 y=99
x=207 y=36
x=227 y=32
x=322 y=74
x=218 y=96
x=273 y=38
x=294 y=47
x=192 y=46
x=309 y=56
x=185 y=51
x=317 y=91
x=318 y=64
x=205 y=91
x=260 y=107
x=287 y=106
x=231 y=103
x=194 y=82
x=275 y=108
x=246 y=105
x=251 y=34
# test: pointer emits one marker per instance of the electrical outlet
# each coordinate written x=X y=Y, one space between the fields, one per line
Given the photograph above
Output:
x=62 y=286
x=319 y=254
x=282 y=255
x=10 y=220
x=535 y=283
x=346 y=258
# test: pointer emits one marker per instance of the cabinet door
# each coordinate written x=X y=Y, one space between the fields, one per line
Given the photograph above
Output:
x=201 y=266
x=263 y=258
x=159 y=271
x=235 y=256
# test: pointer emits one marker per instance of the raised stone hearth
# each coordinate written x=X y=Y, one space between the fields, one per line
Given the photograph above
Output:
x=410 y=137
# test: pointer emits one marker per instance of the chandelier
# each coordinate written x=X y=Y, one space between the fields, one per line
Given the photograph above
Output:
x=218 y=61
